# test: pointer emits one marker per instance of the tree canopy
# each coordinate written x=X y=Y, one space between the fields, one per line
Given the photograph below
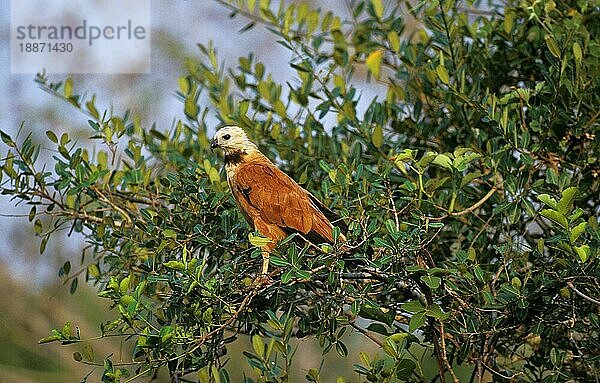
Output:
x=469 y=188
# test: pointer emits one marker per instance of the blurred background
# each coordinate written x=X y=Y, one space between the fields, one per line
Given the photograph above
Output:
x=33 y=299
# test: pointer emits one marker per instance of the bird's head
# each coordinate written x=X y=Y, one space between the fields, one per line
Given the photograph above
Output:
x=233 y=140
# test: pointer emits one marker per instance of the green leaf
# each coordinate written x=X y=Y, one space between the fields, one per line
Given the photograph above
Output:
x=43 y=244
x=405 y=155
x=381 y=314
x=166 y=333
x=364 y=358
x=468 y=178
x=124 y=285
x=50 y=134
x=565 y=204
x=471 y=254
x=399 y=337
x=462 y=161
x=287 y=276
x=303 y=274
x=341 y=349
x=545 y=198
x=413 y=306
x=443 y=74
x=37 y=226
x=32 y=213
x=556 y=357
x=67 y=330
x=374 y=62
x=303 y=177
x=391 y=348
x=443 y=161
x=279 y=262
x=213 y=175
x=312 y=375
x=552 y=46
x=335 y=233
x=88 y=353
x=509 y=21
x=555 y=216
x=93 y=270
x=185 y=85
x=258 y=345
x=74 y=284
x=258 y=240
x=516 y=282
x=377 y=138
x=577 y=213
x=577 y=231
x=191 y=109
x=64 y=139
x=378 y=328
x=436 y=312
x=65 y=269
x=6 y=139
x=405 y=369
x=48 y=339
x=378 y=7
x=390 y=225
x=394 y=41
x=68 y=89
x=583 y=252
x=416 y=321
x=479 y=274
x=577 y=53
x=431 y=282
x=176 y=265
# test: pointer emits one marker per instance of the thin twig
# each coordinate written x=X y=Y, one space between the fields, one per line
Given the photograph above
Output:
x=121 y=211
x=366 y=333
x=470 y=208
x=443 y=352
x=393 y=203
x=476 y=204
x=587 y=298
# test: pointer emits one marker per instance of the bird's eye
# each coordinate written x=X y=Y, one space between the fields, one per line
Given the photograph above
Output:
x=226 y=137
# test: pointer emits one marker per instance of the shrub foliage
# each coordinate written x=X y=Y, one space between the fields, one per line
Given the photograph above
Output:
x=469 y=188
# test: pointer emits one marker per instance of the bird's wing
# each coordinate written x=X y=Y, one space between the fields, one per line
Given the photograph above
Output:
x=268 y=194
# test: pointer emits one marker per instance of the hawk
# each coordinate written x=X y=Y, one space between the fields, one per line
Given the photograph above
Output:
x=272 y=202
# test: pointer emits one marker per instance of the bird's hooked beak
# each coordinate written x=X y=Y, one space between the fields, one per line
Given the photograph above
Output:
x=213 y=145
